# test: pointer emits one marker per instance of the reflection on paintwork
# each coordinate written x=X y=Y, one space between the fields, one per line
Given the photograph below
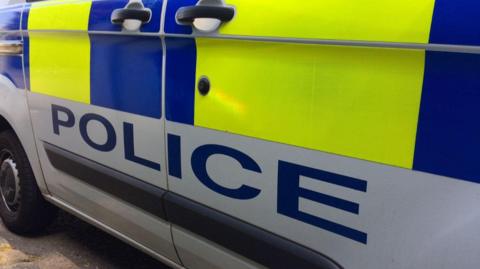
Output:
x=318 y=97
x=228 y=102
x=10 y=18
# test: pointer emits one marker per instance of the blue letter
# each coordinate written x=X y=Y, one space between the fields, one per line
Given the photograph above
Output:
x=289 y=192
x=199 y=166
x=174 y=156
x=128 y=141
x=111 y=136
x=57 y=122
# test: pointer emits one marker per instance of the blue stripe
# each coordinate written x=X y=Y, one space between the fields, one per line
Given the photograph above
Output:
x=26 y=46
x=180 y=79
x=126 y=73
x=171 y=25
x=101 y=11
x=448 y=136
x=26 y=60
x=456 y=22
x=11 y=67
x=26 y=12
x=180 y=67
x=10 y=18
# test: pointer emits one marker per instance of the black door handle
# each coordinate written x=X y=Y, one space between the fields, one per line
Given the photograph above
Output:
x=189 y=14
x=120 y=15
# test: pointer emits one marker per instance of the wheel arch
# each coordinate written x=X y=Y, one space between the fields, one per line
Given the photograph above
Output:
x=15 y=116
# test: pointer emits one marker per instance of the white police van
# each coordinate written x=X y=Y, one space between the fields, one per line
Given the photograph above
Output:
x=248 y=134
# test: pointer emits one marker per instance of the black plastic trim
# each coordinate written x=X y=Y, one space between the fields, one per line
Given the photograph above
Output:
x=127 y=188
x=245 y=239
x=190 y=13
x=122 y=14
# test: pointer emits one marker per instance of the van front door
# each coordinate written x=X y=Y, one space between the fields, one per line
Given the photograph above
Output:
x=94 y=71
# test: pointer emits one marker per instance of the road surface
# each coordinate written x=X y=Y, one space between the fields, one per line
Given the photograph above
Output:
x=70 y=243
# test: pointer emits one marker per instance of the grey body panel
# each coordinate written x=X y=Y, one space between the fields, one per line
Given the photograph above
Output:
x=412 y=219
x=138 y=225
x=148 y=136
x=111 y=231
x=233 y=234
x=136 y=192
x=14 y=108
x=196 y=252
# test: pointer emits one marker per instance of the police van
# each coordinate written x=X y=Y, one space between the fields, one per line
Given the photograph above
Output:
x=248 y=134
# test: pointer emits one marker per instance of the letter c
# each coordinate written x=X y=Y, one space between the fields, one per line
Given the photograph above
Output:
x=199 y=166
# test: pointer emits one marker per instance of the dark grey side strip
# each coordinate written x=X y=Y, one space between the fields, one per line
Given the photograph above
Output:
x=129 y=189
x=245 y=239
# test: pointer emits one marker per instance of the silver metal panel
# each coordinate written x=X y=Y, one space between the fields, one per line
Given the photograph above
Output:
x=144 y=228
x=112 y=231
x=14 y=108
x=413 y=219
x=130 y=221
x=149 y=133
x=197 y=253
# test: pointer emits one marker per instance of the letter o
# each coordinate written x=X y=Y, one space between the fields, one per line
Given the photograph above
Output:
x=111 y=142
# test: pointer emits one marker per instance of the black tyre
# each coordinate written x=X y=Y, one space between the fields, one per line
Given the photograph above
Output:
x=22 y=207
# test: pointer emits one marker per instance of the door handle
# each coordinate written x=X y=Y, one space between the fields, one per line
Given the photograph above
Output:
x=190 y=13
x=10 y=48
x=119 y=16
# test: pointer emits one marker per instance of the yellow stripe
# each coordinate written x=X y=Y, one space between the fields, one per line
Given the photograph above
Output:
x=60 y=61
x=368 y=20
x=59 y=15
x=352 y=101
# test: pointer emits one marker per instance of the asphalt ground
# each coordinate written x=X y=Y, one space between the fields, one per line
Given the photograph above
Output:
x=70 y=243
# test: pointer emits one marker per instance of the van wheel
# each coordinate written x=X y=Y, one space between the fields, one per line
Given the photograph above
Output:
x=22 y=207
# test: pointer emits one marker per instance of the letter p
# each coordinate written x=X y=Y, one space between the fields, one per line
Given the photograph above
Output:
x=67 y=119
